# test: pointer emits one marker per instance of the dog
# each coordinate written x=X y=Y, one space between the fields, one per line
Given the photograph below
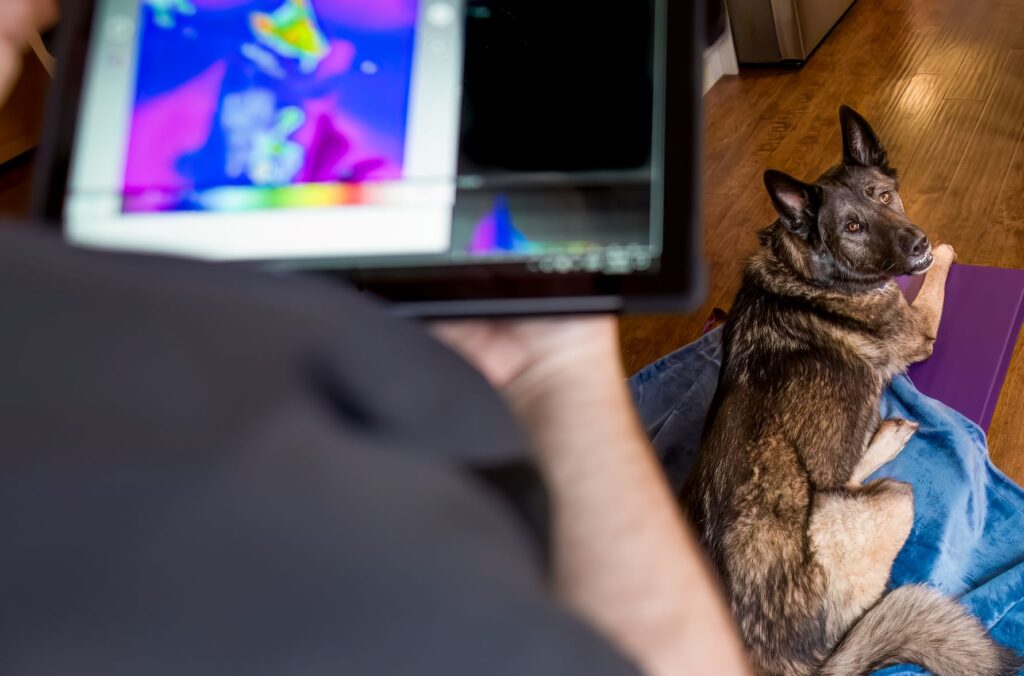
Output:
x=817 y=331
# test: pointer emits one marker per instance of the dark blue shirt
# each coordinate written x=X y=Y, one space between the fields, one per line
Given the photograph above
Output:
x=205 y=470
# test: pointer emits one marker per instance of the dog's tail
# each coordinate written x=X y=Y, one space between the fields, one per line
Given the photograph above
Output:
x=918 y=625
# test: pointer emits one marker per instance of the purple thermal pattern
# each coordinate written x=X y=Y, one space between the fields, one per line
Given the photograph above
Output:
x=320 y=93
x=169 y=126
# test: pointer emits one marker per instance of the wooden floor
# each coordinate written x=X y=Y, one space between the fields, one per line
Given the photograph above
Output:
x=942 y=81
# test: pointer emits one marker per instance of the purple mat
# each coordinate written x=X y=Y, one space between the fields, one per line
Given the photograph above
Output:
x=981 y=321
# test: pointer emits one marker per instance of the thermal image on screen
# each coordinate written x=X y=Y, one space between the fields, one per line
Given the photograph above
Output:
x=251 y=104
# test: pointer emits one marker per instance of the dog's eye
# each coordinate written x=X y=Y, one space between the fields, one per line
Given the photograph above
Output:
x=886 y=197
x=853 y=226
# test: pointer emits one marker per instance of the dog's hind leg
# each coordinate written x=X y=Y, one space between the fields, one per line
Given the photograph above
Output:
x=892 y=436
x=855 y=535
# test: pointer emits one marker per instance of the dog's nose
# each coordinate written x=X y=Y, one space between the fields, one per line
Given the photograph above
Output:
x=916 y=244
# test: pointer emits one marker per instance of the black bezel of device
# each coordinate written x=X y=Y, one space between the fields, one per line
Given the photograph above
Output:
x=490 y=288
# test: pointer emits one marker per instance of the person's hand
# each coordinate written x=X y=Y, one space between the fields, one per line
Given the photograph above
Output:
x=19 y=20
x=550 y=371
x=521 y=356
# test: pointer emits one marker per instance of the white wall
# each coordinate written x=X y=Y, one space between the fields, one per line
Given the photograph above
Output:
x=720 y=58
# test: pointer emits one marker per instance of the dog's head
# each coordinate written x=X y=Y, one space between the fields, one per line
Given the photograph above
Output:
x=849 y=227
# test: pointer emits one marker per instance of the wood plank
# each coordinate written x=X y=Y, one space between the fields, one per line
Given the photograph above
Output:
x=903 y=129
x=972 y=192
x=1006 y=435
x=978 y=72
x=955 y=43
x=945 y=140
x=1003 y=236
x=1003 y=240
x=727 y=111
x=927 y=177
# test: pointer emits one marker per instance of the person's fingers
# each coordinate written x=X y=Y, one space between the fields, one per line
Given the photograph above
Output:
x=47 y=13
x=19 y=20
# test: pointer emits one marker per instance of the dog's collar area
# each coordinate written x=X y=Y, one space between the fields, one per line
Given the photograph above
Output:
x=780 y=250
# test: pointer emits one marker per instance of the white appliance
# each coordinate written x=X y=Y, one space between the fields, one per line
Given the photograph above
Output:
x=774 y=31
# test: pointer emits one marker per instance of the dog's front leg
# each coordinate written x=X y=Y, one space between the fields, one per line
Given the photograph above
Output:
x=927 y=307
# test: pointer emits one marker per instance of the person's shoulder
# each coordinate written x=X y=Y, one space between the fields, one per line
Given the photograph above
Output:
x=203 y=331
x=39 y=257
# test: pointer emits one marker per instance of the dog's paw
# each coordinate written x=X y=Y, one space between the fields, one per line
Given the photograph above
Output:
x=945 y=255
x=897 y=432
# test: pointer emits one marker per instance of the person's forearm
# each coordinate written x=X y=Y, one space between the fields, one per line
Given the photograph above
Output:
x=624 y=558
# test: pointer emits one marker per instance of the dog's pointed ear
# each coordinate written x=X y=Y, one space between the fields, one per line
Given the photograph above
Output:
x=860 y=143
x=794 y=201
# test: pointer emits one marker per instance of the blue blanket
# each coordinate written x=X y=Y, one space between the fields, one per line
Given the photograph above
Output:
x=968 y=535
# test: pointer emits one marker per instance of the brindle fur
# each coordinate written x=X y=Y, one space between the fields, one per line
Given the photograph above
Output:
x=817 y=331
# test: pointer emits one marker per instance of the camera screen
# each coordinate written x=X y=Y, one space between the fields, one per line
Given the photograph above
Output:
x=374 y=133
